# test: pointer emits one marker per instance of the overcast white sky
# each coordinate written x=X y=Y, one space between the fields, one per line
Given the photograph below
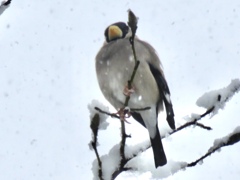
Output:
x=47 y=79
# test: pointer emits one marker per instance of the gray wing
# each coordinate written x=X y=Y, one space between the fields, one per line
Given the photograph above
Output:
x=155 y=67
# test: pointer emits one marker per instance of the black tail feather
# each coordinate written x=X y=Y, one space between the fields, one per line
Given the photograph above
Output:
x=156 y=142
x=158 y=151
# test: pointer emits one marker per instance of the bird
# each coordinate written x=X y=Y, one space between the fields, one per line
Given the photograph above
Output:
x=114 y=65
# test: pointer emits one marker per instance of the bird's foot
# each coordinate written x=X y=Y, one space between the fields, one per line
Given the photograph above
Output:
x=124 y=113
x=128 y=91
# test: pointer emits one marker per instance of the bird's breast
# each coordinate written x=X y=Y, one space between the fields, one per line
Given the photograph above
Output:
x=114 y=65
x=115 y=80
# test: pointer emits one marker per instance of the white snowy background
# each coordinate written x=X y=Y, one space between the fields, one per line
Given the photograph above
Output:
x=47 y=80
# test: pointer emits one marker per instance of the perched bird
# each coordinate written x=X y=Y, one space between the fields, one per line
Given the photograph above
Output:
x=114 y=66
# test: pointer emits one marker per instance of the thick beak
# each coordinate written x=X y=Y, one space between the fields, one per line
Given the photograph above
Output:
x=114 y=32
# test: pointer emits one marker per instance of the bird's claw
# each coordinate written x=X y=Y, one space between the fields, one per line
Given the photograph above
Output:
x=128 y=91
x=124 y=113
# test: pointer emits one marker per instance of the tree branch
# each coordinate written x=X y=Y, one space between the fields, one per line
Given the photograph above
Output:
x=194 y=122
x=218 y=144
x=133 y=25
x=4 y=5
x=95 y=126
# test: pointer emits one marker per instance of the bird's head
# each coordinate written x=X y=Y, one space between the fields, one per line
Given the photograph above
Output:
x=116 y=31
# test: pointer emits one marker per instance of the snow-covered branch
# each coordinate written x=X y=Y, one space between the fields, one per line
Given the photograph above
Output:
x=217 y=99
x=228 y=140
x=98 y=122
x=223 y=95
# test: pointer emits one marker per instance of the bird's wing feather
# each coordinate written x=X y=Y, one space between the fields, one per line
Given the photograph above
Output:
x=164 y=95
x=157 y=72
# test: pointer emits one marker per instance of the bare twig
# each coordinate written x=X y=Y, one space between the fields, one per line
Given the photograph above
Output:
x=139 y=109
x=203 y=126
x=95 y=126
x=132 y=22
x=119 y=171
x=194 y=122
x=105 y=112
x=116 y=116
x=133 y=25
x=122 y=147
